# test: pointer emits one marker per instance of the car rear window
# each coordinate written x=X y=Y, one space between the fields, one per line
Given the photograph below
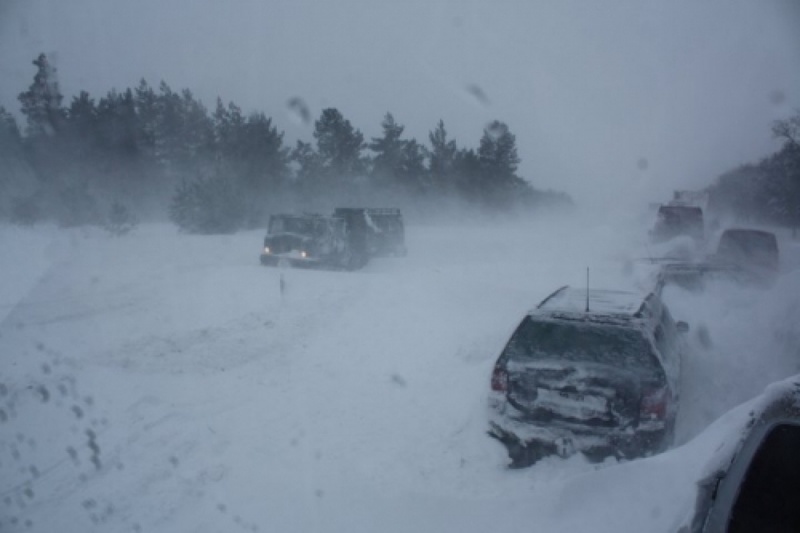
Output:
x=681 y=215
x=578 y=342
x=748 y=243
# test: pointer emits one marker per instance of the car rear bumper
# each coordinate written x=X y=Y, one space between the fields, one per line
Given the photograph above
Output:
x=296 y=262
x=537 y=441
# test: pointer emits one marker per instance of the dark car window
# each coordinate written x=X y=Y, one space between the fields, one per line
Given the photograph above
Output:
x=681 y=217
x=609 y=345
x=748 y=244
x=769 y=498
x=664 y=334
x=388 y=223
x=300 y=226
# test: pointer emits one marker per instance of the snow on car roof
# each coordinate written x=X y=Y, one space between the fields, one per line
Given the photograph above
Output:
x=601 y=301
x=748 y=230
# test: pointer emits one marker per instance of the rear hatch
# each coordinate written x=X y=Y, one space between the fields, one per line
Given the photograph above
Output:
x=589 y=394
x=575 y=372
x=675 y=220
x=751 y=249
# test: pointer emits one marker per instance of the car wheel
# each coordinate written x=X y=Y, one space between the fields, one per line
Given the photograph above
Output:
x=600 y=454
x=523 y=456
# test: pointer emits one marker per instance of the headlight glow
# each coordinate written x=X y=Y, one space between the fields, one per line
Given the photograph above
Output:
x=266 y=249
x=303 y=255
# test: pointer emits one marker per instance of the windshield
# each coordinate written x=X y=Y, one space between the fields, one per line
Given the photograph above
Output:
x=300 y=226
x=553 y=341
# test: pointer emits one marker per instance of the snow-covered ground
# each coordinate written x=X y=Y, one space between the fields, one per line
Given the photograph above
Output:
x=162 y=382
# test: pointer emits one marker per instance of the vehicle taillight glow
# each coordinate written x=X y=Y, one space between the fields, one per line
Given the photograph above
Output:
x=499 y=380
x=654 y=403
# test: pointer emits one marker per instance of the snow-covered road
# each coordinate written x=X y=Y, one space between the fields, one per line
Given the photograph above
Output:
x=162 y=382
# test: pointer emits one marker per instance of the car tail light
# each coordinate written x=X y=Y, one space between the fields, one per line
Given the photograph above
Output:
x=654 y=403
x=499 y=379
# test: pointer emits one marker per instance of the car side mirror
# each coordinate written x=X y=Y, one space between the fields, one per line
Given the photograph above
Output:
x=682 y=327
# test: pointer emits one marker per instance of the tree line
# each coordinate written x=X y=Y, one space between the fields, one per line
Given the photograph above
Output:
x=768 y=191
x=155 y=150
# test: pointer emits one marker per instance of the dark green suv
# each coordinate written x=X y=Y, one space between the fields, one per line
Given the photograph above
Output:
x=593 y=371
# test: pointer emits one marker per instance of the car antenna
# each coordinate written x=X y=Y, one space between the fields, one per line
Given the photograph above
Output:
x=587 y=289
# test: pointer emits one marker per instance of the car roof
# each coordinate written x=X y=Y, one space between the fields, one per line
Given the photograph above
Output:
x=306 y=216
x=681 y=207
x=601 y=302
x=746 y=231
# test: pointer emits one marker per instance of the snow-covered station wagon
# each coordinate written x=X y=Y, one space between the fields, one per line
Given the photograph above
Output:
x=591 y=371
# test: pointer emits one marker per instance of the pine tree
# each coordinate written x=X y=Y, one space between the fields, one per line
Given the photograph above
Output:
x=251 y=151
x=499 y=161
x=781 y=183
x=12 y=162
x=785 y=173
x=398 y=163
x=80 y=145
x=82 y=124
x=413 y=174
x=63 y=189
x=207 y=206
x=183 y=139
x=41 y=103
x=308 y=169
x=197 y=129
x=738 y=192
x=389 y=151
x=468 y=176
x=146 y=105
x=228 y=127
x=441 y=160
x=498 y=152
x=768 y=191
x=263 y=157
x=10 y=138
x=118 y=125
x=788 y=130
x=339 y=146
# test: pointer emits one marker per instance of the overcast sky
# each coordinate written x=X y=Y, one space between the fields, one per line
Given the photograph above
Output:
x=609 y=100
